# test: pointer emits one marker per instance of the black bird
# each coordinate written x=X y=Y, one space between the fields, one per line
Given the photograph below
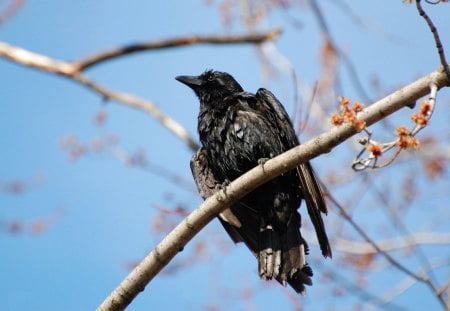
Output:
x=238 y=131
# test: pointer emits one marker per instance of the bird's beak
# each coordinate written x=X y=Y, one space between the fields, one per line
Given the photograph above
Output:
x=191 y=81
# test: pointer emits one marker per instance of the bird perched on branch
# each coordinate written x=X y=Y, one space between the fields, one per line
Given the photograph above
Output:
x=238 y=131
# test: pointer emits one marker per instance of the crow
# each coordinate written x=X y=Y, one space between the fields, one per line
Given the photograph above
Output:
x=238 y=131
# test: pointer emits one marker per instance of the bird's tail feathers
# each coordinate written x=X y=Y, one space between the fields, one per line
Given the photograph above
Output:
x=282 y=257
x=269 y=256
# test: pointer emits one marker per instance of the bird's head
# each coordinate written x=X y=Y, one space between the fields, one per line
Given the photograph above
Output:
x=211 y=86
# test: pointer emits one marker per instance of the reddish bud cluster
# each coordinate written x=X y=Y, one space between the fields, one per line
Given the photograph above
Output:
x=402 y=131
x=421 y=118
x=336 y=119
x=358 y=107
x=374 y=149
x=405 y=139
x=348 y=114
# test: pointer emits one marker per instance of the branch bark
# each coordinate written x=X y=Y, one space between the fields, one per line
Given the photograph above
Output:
x=174 y=242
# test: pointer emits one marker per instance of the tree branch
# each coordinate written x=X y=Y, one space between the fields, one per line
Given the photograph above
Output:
x=420 y=278
x=408 y=282
x=35 y=60
x=437 y=40
x=174 y=242
x=103 y=56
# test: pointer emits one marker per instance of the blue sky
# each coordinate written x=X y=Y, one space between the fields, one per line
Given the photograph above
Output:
x=102 y=208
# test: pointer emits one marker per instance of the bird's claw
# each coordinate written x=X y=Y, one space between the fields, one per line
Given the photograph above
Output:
x=223 y=186
x=263 y=161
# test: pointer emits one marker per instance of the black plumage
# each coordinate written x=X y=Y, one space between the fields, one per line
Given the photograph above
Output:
x=239 y=130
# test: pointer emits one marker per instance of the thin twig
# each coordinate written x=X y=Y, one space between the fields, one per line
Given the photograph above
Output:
x=367 y=23
x=371 y=161
x=409 y=282
x=10 y=10
x=397 y=222
x=100 y=57
x=437 y=40
x=362 y=293
x=364 y=235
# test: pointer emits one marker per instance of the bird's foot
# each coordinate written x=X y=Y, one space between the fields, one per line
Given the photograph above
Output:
x=263 y=161
x=223 y=187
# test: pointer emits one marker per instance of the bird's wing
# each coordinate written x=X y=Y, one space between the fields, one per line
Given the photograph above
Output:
x=248 y=231
x=207 y=184
x=278 y=116
x=310 y=188
x=202 y=173
x=240 y=231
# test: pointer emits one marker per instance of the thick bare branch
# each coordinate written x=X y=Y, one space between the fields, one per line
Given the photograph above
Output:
x=174 y=242
x=102 y=56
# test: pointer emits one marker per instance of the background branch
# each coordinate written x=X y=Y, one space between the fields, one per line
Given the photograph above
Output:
x=100 y=57
x=420 y=278
x=400 y=242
